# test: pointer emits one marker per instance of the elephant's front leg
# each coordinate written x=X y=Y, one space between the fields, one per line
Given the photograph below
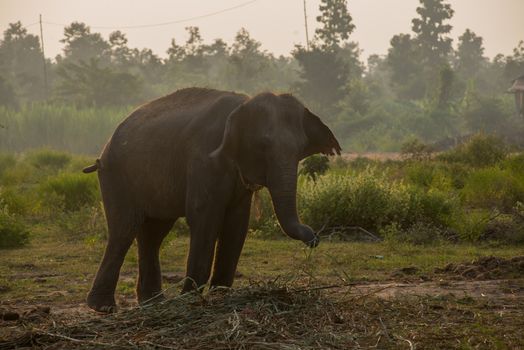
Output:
x=231 y=241
x=204 y=223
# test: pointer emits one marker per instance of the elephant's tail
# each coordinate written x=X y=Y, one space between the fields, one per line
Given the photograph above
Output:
x=92 y=168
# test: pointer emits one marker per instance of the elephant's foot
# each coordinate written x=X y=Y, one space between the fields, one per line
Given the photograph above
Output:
x=104 y=303
x=146 y=298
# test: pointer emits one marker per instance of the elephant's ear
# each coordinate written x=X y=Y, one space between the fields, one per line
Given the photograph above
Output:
x=319 y=138
x=230 y=140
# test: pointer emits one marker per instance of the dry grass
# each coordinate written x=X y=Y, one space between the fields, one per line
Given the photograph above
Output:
x=288 y=315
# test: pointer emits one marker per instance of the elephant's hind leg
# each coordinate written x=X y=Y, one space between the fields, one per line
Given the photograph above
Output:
x=149 y=238
x=123 y=224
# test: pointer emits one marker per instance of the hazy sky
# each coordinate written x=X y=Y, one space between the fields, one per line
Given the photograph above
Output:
x=278 y=24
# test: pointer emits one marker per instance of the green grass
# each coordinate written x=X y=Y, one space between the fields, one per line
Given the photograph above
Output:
x=69 y=266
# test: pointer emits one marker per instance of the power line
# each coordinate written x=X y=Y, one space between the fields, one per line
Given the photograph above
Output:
x=166 y=23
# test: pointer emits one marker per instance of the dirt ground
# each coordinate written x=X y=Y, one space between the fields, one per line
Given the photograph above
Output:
x=472 y=305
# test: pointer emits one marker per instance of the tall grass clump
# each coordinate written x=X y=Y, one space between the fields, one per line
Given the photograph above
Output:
x=69 y=191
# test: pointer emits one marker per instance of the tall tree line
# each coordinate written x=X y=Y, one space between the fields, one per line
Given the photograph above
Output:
x=424 y=76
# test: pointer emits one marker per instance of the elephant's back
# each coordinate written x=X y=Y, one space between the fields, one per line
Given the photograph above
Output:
x=159 y=130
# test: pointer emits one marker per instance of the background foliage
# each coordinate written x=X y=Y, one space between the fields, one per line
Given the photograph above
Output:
x=426 y=87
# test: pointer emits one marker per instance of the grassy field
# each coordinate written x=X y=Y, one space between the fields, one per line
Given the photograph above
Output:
x=445 y=270
x=55 y=272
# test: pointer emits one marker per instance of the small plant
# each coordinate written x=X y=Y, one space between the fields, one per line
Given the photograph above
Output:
x=13 y=232
x=314 y=166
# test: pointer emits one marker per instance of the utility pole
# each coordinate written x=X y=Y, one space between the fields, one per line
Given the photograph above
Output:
x=305 y=23
x=43 y=56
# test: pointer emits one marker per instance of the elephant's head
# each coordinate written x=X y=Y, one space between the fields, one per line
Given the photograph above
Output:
x=266 y=137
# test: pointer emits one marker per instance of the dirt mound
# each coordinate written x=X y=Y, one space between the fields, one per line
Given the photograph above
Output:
x=486 y=268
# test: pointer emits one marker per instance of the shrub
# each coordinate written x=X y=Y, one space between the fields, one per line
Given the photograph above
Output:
x=69 y=191
x=420 y=173
x=14 y=201
x=48 y=159
x=12 y=232
x=471 y=225
x=481 y=150
x=492 y=188
x=371 y=201
x=416 y=150
x=504 y=229
x=314 y=166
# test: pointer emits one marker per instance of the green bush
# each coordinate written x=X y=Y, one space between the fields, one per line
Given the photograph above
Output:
x=493 y=188
x=13 y=232
x=15 y=201
x=48 y=159
x=370 y=200
x=314 y=166
x=69 y=191
x=481 y=150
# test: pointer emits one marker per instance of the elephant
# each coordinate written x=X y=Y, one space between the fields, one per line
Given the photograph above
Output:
x=200 y=154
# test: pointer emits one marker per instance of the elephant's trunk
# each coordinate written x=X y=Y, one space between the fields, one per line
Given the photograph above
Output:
x=282 y=185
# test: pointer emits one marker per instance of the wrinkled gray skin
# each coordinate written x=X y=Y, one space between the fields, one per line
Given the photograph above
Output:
x=199 y=154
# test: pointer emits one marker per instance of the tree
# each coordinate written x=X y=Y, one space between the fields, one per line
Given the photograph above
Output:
x=175 y=51
x=88 y=84
x=82 y=45
x=21 y=62
x=324 y=76
x=249 y=63
x=336 y=24
x=469 y=54
x=431 y=31
x=405 y=67
x=514 y=65
x=332 y=60
x=121 y=55
x=8 y=97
